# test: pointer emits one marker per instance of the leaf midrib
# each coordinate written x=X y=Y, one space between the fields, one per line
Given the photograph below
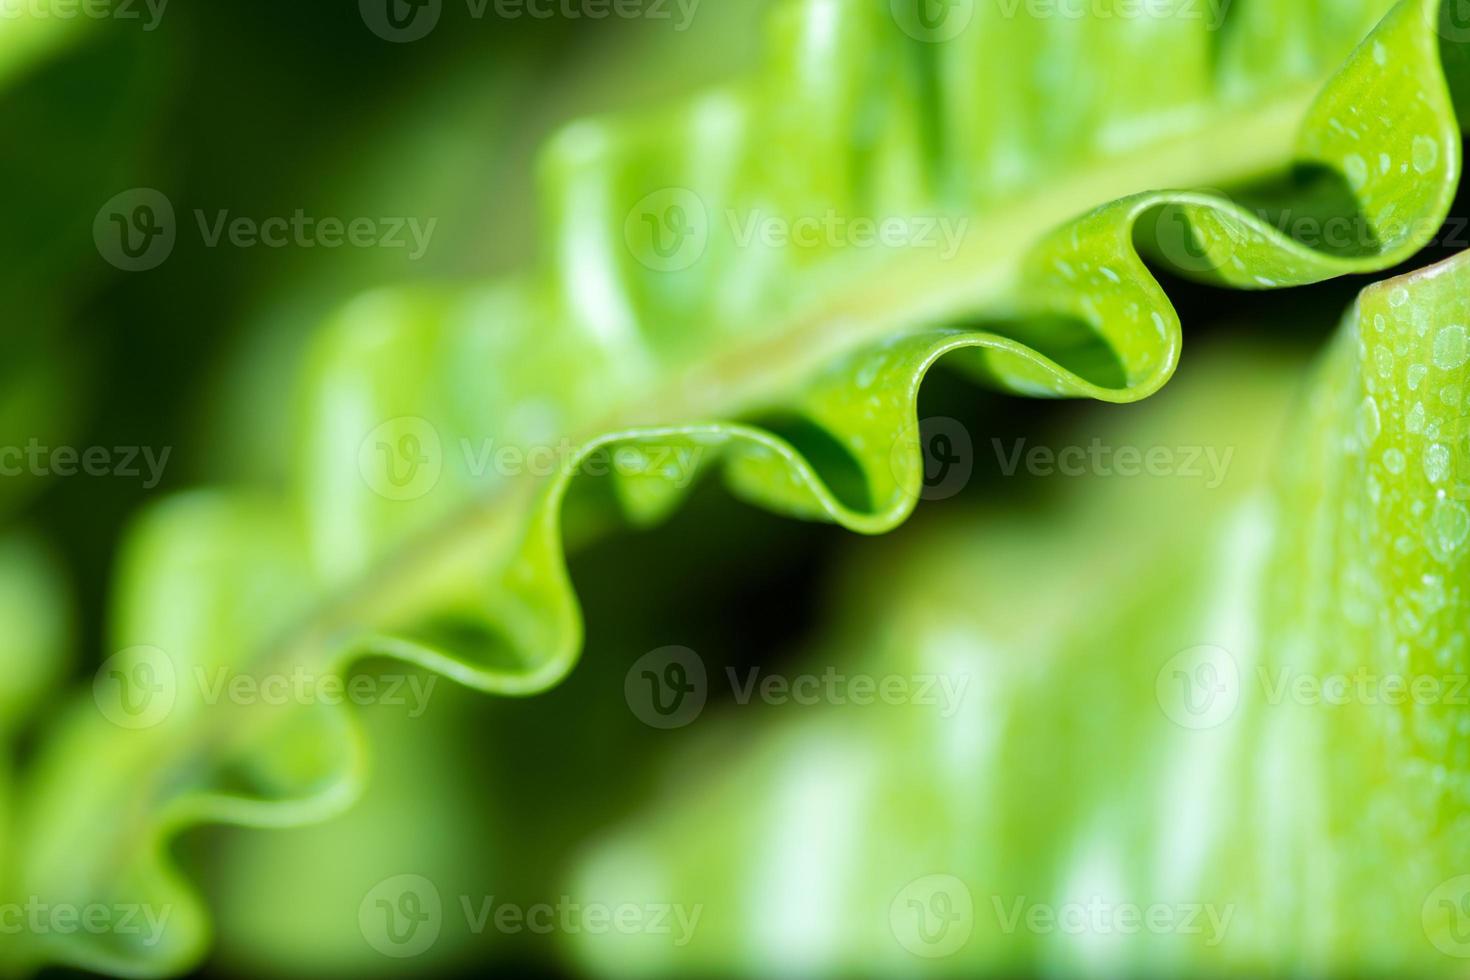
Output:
x=919 y=290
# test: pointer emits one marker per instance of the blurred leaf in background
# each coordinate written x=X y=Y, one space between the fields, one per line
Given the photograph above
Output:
x=1211 y=725
x=531 y=303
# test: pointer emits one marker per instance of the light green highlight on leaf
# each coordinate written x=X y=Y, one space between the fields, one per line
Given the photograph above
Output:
x=657 y=334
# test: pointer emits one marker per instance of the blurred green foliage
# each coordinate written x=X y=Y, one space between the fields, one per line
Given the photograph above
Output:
x=547 y=313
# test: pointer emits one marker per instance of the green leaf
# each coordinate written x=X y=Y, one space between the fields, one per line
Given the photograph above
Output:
x=68 y=152
x=1308 y=818
x=318 y=927
x=1370 y=584
x=35 y=647
x=37 y=626
x=655 y=342
x=32 y=32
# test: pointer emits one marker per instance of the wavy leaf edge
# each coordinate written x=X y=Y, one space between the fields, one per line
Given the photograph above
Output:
x=757 y=457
